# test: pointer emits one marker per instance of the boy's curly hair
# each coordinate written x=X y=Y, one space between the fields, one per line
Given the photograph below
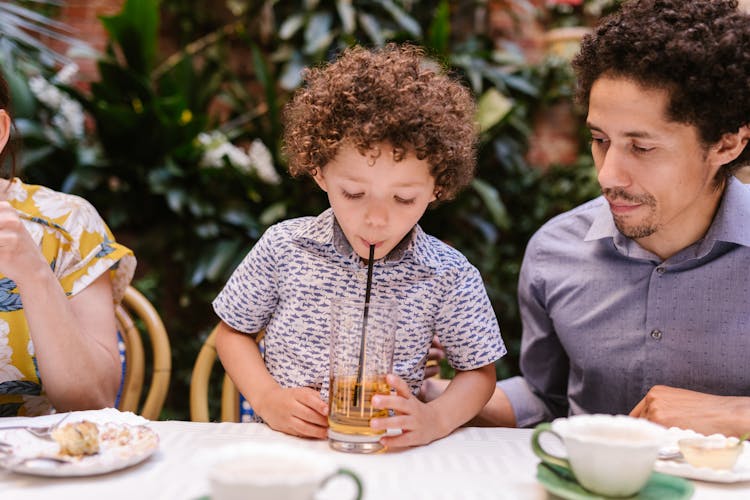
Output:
x=393 y=94
x=697 y=50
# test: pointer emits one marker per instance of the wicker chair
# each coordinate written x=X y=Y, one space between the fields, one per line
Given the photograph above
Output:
x=233 y=405
x=136 y=308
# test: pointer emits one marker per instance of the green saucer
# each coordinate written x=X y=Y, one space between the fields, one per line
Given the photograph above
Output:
x=561 y=482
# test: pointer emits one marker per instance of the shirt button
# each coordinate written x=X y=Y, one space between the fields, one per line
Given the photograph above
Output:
x=656 y=334
x=660 y=270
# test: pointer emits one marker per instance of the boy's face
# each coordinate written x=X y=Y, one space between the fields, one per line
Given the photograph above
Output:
x=376 y=200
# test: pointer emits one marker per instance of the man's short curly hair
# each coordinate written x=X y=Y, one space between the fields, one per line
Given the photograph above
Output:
x=392 y=94
x=697 y=50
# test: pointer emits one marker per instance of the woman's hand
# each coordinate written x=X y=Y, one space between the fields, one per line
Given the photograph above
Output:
x=20 y=257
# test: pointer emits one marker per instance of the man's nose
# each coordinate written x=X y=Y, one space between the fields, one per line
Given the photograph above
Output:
x=612 y=170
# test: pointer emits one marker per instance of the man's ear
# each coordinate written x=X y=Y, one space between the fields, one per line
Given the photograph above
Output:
x=4 y=128
x=320 y=179
x=730 y=146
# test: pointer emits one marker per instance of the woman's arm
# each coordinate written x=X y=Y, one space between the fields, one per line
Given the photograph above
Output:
x=75 y=339
x=75 y=342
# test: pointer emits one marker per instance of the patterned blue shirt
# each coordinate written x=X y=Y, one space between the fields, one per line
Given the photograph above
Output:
x=604 y=320
x=287 y=281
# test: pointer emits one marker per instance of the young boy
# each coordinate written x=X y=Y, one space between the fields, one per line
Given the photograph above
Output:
x=384 y=134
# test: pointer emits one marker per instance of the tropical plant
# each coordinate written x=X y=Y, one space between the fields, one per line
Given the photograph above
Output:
x=185 y=157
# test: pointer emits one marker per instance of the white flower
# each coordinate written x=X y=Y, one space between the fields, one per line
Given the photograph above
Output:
x=94 y=271
x=261 y=159
x=256 y=160
x=66 y=74
x=8 y=372
x=69 y=121
x=47 y=93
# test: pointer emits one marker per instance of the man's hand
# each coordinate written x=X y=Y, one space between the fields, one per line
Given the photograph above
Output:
x=433 y=358
x=420 y=423
x=704 y=413
x=298 y=411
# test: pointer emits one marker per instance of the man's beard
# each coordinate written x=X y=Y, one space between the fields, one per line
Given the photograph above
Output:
x=647 y=226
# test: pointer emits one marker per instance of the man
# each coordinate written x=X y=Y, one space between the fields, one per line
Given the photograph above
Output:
x=639 y=301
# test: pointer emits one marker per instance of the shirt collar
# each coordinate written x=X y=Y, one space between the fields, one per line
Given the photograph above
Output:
x=732 y=220
x=324 y=234
x=731 y=223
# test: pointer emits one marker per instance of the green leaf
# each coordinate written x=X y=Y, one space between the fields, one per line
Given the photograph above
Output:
x=24 y=103
x=492 y=107
x=269 y=86
x=403 y=19
x=347 y=15
x=491 y=198
x=318 y=34
x=135 y=30
x=291 y=25
x=291 y=74
x=272 y=214
x=439 y=33
x=223 y=255
x=371 y=27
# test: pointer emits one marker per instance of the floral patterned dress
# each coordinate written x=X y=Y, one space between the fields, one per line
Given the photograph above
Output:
x=79 y=248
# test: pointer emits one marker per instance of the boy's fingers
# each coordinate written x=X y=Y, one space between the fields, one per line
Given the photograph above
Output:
x=311 y=399
x=398 y=384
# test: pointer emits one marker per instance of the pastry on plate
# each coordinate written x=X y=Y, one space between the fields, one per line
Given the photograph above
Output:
x=78 y=438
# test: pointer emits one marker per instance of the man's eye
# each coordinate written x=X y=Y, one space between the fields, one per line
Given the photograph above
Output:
x=640 y=149
x=352 y=196
x=598 y=141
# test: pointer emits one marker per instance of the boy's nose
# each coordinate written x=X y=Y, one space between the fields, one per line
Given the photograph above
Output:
x=376 y=215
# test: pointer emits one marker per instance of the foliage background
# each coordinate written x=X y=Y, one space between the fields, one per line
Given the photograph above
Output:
x=186 y=87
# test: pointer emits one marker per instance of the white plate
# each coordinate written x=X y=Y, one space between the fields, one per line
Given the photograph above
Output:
x=120 y=446
x=678 y=467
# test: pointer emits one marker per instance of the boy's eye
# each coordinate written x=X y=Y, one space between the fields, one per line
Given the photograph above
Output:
x=351 y=196
x=404 y=201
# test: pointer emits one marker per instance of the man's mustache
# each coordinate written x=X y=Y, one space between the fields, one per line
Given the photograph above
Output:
x=613 y=194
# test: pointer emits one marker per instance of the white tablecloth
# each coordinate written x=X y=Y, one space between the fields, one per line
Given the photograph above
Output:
x=472 y=463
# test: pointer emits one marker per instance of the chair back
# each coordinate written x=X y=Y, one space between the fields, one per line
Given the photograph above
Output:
x=135 y=308
x=233 y=405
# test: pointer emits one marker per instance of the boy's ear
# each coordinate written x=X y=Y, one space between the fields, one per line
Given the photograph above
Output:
x=320 y=180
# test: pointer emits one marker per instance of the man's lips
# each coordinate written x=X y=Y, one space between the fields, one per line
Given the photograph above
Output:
x=623 y=207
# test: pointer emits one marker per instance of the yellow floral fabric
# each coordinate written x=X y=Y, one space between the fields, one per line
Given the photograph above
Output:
x=79 y=248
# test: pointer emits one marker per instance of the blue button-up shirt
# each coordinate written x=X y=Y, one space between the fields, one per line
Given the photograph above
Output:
x=604 y=320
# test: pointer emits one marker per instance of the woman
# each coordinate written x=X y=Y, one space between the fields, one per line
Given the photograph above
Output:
x=61 y=275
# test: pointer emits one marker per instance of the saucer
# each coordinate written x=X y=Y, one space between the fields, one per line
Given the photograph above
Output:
x=561 y=482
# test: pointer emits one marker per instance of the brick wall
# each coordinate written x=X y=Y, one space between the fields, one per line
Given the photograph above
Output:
x=83 y=17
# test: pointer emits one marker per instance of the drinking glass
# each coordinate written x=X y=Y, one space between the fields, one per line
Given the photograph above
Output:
x=361 y=357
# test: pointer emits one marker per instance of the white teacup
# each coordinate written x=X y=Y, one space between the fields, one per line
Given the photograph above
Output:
x=612 y=455
x=271 y=472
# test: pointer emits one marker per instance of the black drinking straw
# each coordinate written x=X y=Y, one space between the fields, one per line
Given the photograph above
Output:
x=358 y=385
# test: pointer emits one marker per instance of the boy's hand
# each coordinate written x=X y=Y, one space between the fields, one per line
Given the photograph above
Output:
x=420 y=422
x=298 y=411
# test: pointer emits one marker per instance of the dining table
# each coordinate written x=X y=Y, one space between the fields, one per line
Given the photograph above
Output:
x=470 y=463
